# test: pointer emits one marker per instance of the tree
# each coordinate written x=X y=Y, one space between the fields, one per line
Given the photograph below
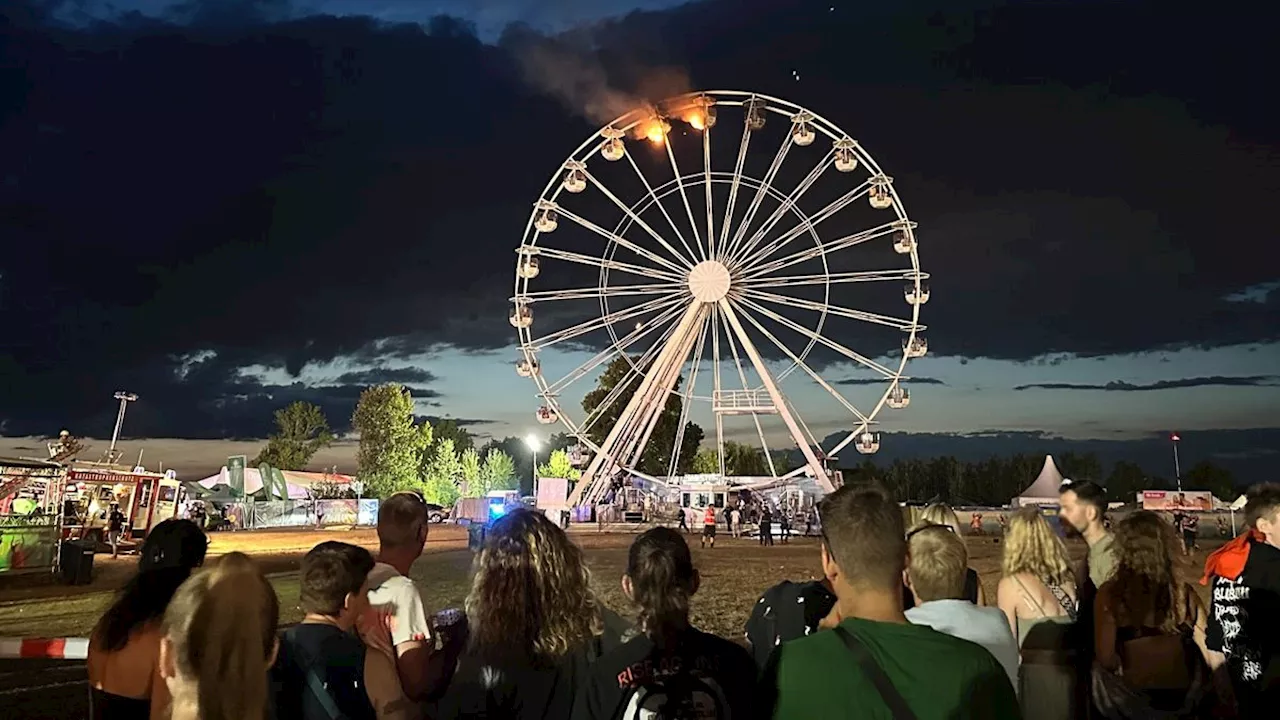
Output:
x=521 y=457
x=1126 y=481
x=742 y=460
x=498 y=472
x=655 y=458
x=301 y=431
x=705 y=462
x=1080 y=466
x=1216 y=479
x=472 y=472
x=442 y=474
x=390 y=443
x=558 y=466
x=448 y=428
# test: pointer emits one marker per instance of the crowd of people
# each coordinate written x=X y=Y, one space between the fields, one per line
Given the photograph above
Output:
x=898 y=627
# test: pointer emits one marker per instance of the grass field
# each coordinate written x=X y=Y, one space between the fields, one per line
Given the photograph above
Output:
x=734 y=574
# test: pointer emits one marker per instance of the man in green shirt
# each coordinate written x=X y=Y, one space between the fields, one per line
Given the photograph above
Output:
x=871 y=658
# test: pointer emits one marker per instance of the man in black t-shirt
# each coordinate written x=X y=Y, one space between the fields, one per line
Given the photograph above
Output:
x=319 y=673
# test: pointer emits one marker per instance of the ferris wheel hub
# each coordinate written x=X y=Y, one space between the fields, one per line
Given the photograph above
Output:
x=709 y=281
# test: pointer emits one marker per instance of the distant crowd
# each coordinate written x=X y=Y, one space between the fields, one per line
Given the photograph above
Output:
x=898 y=627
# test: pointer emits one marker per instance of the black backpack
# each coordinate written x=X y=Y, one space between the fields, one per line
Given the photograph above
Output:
x=682 y=696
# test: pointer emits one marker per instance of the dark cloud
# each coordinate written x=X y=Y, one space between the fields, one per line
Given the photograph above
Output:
x=377 y=376
x=1121 y=386
x=292 y=189
x=880 y=381
x=462 y=422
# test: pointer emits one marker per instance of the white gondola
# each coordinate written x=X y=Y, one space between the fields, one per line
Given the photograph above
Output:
x=575 y=178
x=546 y=221
x=916 y=295
x=898 y=398
x=803 y=133
x=903 y=242
x=528 y=268
x=879 y=197
x=756 y=115
x=525 y=369
x=845 y=160
x=916 y=348
x=546 y=415
x=521 y=316
x=613 y=149
x=868 y=443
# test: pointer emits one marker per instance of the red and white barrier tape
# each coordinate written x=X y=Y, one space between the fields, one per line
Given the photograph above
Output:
x=44 y=648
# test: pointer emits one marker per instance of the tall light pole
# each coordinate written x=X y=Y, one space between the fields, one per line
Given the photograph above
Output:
x=1177 y=469
x=125 y=398
x=534 y=443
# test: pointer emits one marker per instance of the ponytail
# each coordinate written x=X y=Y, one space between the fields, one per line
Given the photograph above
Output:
x=662 y=581
x=222 y=627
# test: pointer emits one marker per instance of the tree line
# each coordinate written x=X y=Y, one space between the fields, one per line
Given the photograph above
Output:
x=399 y=451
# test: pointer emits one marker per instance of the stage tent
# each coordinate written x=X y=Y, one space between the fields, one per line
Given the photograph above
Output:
x=1044 y=491
x=252 y=483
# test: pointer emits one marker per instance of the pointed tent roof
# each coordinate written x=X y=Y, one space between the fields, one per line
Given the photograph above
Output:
x=1046 y=484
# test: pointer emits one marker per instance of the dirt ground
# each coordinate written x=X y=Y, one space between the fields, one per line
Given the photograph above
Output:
x=734 y=574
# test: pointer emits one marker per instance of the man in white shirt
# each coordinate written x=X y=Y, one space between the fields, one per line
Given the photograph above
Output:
x=402 y=533
x=937 y=561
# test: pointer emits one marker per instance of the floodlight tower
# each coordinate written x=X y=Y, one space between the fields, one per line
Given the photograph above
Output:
x=125 y=398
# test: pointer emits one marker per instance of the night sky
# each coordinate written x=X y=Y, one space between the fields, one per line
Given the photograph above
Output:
x=224 y=206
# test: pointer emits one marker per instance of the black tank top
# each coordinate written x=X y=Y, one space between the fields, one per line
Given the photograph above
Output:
x=106 y=706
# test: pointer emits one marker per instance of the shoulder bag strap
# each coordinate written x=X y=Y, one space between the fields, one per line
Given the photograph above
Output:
x=892 y=698
x=317 y=688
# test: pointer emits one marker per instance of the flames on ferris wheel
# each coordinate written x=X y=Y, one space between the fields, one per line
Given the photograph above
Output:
x=718 y=283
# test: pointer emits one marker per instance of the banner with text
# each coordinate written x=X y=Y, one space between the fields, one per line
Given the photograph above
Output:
x=1172 y=500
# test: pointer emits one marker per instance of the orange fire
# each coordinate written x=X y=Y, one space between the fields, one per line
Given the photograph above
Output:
x=697 y=120
x=654 y=130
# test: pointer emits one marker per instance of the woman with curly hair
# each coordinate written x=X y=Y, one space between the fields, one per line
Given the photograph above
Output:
x=1149 y=631
x=1038 y=596
x=534 y=625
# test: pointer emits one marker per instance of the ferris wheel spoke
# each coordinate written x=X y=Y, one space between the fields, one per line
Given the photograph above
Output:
x=687 y=400
x=617 y=265
x=637 y=219
x=862 y=315
x=809 y=223
x=610 y=235
x=603 y=321
x=740 y=233
x=684 y=196
x=692 y=258
x=824 y=248
x=832 y=344
x=735 y=184
x=622 y=386
x=667 y=316
x=778 y=213
x=804 y=366
x=706 y=184
x=598 y=292
x=836 y=278
x=742 y=376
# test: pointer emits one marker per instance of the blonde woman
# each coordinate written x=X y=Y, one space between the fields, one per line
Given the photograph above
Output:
x=942 y=514
x=219 y=640
x=1038 y=595
x=535 y=626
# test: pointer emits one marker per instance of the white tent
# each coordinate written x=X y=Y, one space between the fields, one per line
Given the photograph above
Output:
x=252 y=483
x=1044 y=491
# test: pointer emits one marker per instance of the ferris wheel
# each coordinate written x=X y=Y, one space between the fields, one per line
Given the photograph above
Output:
x=709 y=258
